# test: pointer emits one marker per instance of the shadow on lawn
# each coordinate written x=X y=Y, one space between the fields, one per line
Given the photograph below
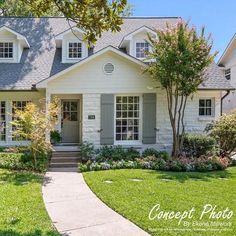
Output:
x=19 y=178
x=37 y=232
x=185 y=176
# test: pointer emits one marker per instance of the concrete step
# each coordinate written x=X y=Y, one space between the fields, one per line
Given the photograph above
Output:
x=62 y=148
x=63 y=165
x=64 y=160
x=68 y=169
x=65 y=154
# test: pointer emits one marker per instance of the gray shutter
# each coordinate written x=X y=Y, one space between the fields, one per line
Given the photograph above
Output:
x=107 y=119
x=149 y=118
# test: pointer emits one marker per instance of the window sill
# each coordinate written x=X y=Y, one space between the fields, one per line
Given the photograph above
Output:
x=128 y=144
x=206 y=118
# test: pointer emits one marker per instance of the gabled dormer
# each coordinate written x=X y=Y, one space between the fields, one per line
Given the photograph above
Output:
x=72 y=44
x=11 y=45
x=136 y=43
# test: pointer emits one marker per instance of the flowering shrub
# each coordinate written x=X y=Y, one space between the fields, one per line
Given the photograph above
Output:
x=154 y=163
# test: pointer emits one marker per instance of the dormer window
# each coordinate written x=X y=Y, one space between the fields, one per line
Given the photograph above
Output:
x=6 y=50
x=74 y=50
x=141 y=49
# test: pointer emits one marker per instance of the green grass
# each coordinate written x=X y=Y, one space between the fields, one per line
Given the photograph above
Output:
x=173 y=191
x=22 y=211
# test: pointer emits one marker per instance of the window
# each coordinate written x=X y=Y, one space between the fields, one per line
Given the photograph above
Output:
x=142 y=49
x=127 y=118
x=70 y=111
x=6 y=50
x=2 y=121
x=75 y=50
x=17 y=105
x=228 y=74
x=205 y=107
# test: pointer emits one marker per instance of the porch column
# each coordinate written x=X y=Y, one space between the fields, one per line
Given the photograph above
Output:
x=48 y=101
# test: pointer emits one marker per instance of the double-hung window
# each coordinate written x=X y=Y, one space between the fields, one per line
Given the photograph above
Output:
x=141 y=49
x=206 y=107
x=127 y=118
x=74 y=50
x=6 y=50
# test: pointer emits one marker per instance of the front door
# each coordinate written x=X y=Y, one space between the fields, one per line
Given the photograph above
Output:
x=70 y=121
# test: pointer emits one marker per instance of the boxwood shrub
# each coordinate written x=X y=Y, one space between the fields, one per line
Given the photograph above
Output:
x=22 y=161
x=196 y=145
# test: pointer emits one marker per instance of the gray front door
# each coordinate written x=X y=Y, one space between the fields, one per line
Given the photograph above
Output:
x=70 y=121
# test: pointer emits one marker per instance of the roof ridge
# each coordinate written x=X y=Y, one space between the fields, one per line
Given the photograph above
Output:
x=124 y=17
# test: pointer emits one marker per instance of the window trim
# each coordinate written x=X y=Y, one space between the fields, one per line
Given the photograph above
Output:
x=212 y=107
x=130 y=142
x=67 y=50
x=13 y=50
x=135 y=47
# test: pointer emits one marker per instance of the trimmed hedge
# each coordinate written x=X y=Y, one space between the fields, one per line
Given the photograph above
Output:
x=21 y=161
x=196 y=145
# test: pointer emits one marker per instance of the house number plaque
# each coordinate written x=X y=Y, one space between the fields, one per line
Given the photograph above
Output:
x=91 y=117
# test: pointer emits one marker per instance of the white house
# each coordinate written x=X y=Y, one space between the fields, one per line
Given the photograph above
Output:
x=106 y=98
x=227 y=63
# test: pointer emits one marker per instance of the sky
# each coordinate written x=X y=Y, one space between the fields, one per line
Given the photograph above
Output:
x=218 y=16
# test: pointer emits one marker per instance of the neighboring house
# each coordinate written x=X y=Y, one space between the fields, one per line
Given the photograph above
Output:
x=106 y=97
x=227 y=63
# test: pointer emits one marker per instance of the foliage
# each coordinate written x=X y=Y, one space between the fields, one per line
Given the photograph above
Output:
x=201 y=164
x=33 y=123
x=116 y=153
x=224 y=131
x=128 y=10
x=23 y=211
x=19 y=8
x=196 y=145
x=21 y=161
x=93 y=16
x=174 y=191
x=87 y=151
x=55 y=136
x=181 y=56
x=154 y=152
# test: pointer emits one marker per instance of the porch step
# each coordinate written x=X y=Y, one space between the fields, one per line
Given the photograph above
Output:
x=63 y=165
x=64 y=160
x=65 y=154
x=65 y=148
x=68 y=169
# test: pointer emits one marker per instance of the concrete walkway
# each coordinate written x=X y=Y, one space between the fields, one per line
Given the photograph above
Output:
x=75 y=209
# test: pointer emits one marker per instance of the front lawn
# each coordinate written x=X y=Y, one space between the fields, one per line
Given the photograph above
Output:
x=133 y=193
x=22 y=210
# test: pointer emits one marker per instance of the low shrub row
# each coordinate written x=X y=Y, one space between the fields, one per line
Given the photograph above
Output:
x=151 y=162
x=22 y=161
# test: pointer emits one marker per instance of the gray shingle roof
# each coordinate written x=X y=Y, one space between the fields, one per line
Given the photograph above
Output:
x=43 y=60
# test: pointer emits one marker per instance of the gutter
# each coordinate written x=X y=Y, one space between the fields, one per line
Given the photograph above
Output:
x=221 y=101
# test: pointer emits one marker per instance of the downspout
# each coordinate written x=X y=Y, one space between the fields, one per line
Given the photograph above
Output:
x=221 y=106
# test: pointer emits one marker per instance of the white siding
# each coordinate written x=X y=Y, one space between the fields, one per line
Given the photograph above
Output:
x=91 y=106
x=127 y=78
x=229 y=103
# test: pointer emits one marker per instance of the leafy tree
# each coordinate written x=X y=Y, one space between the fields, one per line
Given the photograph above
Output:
x=180 y=57
x=128 y=10
x=32 y=123
x=93 y=16
x=19 y=8
x=224 y=131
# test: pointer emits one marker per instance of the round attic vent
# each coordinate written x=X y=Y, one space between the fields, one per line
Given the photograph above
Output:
x=108 y=68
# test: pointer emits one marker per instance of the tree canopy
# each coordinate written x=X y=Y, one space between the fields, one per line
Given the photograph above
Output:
x=93 y=16
x=180 y=56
